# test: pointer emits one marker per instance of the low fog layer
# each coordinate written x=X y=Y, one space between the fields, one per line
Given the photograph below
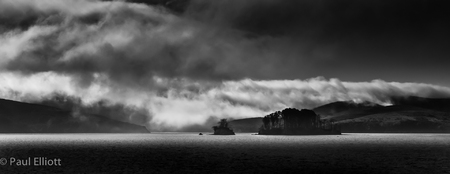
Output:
x=169 y=69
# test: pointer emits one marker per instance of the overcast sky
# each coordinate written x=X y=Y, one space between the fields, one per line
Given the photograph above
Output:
x=347 y=39
x=186 y=61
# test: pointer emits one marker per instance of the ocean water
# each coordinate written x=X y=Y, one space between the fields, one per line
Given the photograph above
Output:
x=243 y=153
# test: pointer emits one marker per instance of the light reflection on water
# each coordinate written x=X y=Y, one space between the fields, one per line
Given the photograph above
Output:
x=239 y=139
x=178 y=152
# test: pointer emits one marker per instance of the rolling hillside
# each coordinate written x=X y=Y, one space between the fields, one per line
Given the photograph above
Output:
x=19 y=117
x=411 y=114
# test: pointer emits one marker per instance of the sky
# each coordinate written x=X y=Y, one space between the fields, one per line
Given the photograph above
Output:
x=177 y=64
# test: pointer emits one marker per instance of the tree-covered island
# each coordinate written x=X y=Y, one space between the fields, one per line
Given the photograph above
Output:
x=223 y=128
x=292 y=121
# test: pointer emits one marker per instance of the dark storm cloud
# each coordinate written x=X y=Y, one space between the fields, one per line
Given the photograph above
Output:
x=178 y=6
x=396 y=40
x=228 y=39
x=331 y=18
x=133 y=42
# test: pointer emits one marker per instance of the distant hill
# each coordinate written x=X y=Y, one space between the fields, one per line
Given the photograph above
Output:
x=343 y=106
x=19 y=117
x=407 y=121
x=410 y=114
x=407 y=114
x=438 y=104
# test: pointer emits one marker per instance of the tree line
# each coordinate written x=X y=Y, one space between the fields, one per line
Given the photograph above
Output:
x=292 y=118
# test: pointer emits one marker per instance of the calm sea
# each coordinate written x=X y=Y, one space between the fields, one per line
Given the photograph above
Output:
x=243 y=153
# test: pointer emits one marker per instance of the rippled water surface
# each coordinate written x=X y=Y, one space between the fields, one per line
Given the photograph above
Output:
x=190 y=152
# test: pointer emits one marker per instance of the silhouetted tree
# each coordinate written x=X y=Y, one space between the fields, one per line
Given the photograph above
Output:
x=291 y=118
x=266 y=122
x=223 y=123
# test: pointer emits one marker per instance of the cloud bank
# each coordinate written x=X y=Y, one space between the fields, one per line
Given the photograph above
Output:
x=164 y=70
x=179 y=103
